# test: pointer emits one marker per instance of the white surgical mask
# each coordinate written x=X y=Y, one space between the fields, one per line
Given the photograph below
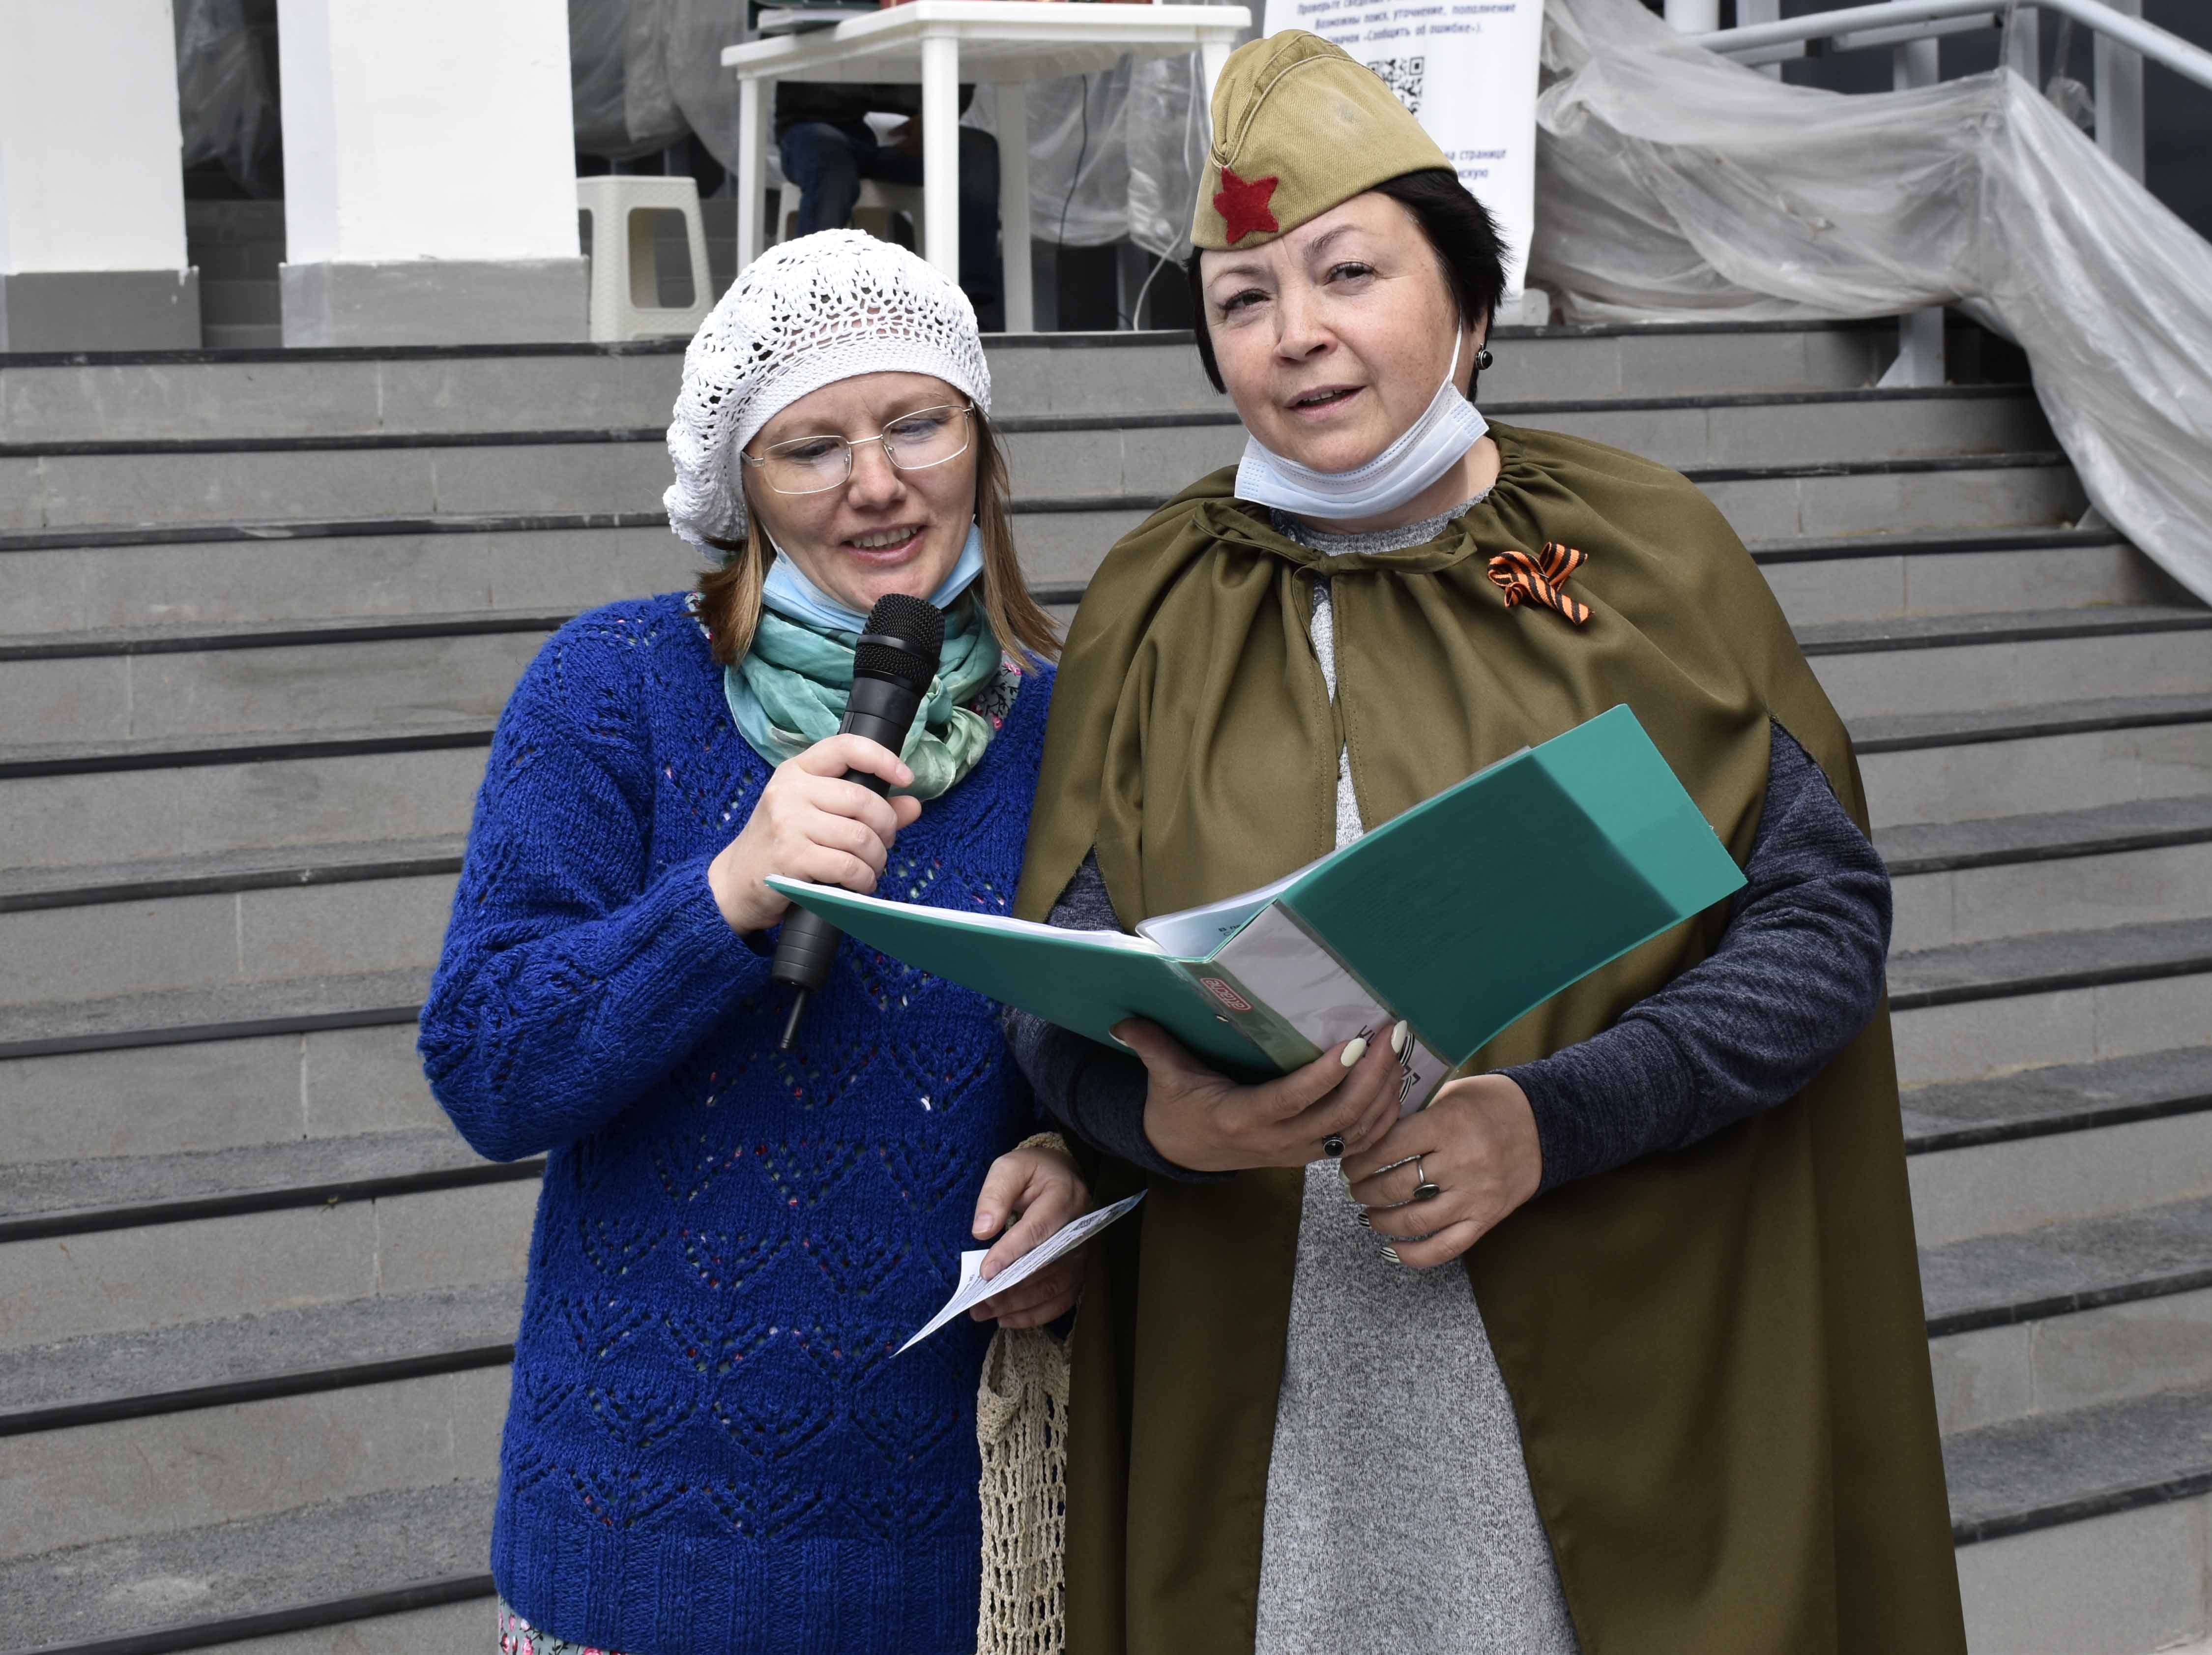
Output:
x=792 y=595
x=1436 y=441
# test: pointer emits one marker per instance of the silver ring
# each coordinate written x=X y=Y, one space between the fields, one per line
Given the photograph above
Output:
x=1423 y=1190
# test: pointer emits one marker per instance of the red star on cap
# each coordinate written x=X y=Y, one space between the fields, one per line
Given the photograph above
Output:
x=1244 y=206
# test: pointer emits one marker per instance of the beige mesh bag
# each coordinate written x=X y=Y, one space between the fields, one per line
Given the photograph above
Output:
x=1021 y=1428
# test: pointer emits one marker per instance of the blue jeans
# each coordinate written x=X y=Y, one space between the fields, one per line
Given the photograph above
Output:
x=827 y=163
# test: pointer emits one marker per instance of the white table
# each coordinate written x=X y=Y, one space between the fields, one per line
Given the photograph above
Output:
x=941 y=43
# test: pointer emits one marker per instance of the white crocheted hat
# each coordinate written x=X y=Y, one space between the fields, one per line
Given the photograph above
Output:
x=805 y=315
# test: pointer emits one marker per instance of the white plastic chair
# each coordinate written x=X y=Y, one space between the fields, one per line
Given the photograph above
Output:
x=625 y=262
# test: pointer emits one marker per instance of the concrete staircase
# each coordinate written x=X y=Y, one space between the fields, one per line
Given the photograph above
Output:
x=236 y=247
x=261 y=613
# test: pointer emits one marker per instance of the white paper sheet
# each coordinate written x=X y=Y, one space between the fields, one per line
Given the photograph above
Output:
x=973 y=1290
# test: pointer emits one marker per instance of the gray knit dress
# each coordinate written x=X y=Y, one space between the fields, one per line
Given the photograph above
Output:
x=1399 y=1519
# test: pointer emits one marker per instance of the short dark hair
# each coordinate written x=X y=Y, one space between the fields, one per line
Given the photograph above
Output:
x=1460 y=228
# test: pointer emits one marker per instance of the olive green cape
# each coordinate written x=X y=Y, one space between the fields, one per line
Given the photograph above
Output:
x=1718 y=1356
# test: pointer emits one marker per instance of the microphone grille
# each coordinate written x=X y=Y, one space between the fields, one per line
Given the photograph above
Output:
x=906 y=636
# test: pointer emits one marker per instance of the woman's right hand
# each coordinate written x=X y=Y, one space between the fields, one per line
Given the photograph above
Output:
x=1201 y=1119
x=811 y=824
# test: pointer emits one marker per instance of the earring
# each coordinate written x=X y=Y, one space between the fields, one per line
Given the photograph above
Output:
x=1482 y=359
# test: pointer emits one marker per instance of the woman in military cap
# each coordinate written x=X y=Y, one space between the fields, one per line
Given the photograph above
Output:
x=1619 y=1345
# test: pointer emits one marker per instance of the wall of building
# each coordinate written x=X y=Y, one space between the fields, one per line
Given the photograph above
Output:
x=424 y=128
x=89 y=143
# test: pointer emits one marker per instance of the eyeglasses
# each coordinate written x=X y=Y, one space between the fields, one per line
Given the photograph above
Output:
x=912 y=442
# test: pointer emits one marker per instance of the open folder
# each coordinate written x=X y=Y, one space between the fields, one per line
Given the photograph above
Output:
x=1457 y=917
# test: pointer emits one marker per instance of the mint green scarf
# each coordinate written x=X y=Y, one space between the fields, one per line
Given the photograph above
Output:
x=790 y=689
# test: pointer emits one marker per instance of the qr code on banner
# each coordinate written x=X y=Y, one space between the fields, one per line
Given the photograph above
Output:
x=1403 y=76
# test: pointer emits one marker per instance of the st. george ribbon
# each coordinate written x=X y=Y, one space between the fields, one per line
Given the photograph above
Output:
x=893 y=666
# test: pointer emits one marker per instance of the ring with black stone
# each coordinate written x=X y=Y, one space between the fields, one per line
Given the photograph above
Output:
x=1333 y=1145
x=1423 y=1190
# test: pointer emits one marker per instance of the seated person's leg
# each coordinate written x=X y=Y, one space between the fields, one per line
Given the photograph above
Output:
x=820 y=161
x=979 y=226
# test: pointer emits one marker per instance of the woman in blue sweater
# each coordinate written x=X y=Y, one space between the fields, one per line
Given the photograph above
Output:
x=710 y=1447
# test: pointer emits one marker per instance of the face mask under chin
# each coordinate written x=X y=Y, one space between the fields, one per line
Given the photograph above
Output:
x=1436 y=442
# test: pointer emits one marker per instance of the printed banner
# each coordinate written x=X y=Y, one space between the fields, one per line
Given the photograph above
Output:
x=1467 y=69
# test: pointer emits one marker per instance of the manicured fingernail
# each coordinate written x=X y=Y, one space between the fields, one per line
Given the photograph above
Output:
x=1354 y=1051
x=1397 y=1039
x=1365 y=1223
x=1391 y=1253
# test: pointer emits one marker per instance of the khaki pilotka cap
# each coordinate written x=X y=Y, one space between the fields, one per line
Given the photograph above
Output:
x=1299 y=127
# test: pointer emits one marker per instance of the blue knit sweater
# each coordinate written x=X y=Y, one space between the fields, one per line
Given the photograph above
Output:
x=709 y=1447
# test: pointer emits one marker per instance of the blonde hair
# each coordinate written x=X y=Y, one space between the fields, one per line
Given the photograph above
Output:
x=729 y=597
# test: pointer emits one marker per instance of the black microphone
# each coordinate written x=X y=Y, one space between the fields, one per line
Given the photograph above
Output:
x=892 y=669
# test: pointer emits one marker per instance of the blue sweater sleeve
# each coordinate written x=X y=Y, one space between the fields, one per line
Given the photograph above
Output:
x=1798 y=974
x=574 y=977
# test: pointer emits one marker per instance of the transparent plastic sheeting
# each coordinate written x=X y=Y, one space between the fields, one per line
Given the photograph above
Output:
x=642 y=73
x=1113 y=155
x=1672 y=184
x=226 y=96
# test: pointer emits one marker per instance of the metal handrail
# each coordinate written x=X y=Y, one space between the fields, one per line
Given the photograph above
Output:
x=2192 y=62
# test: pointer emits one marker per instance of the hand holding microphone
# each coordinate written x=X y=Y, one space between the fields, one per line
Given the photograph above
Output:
x=823 y=816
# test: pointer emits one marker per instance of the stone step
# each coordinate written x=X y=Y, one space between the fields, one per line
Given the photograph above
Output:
x=350 y=392
x=101 y=1379
x=216 y=1093
x=2016 y=1183
x=1860 y=577
x=260 y=868
x=261 y=933
x=137 y=801
x=1097 y=470
x=1107 y=453
x=1062 y=539
x=2061 y=756
x=241 y=302
x=392 y=674
x=64 y=807
x=128 y=1479
x=242 y=336
x=1974 y=662
x=187 y=1017
x=261 y=1250
x=261 y=916
x=2049 y=1510
x=227 y=575
x=2085 y=1531
x=1998 y=1281
x=2059 y=871
x=2070 y=1315
x=1970 y=1010
x=239 y=916
x=2058 y=1100
x=387 y=1560
x=297 y=679
x=41 y=1200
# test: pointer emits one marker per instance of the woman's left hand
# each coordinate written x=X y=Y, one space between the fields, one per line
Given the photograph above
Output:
x=1477 y=1143
x=1043 y=1186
